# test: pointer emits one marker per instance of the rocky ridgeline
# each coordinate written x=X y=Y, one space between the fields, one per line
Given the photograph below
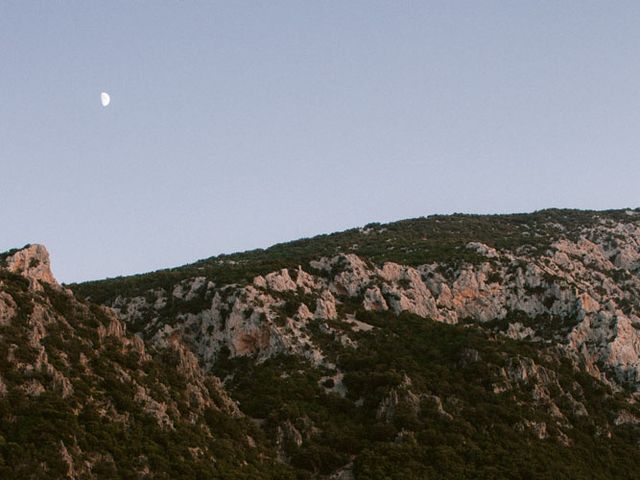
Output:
x=337 y=367
x=580 y=295
x=33 y=263
x=55 y=346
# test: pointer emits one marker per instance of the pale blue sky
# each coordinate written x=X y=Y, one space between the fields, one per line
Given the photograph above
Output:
x=235 y=125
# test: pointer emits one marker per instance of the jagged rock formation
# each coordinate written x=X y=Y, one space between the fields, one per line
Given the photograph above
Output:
x=77 y=391
x=580 y=294
x=409 y=350
x=33 y=263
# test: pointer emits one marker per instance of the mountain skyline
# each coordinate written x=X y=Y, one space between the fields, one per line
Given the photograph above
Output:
x=447 y=347
x=235 y=126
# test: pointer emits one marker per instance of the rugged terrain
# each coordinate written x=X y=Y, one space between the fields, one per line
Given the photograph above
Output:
x=82 y=398
x=443 y=347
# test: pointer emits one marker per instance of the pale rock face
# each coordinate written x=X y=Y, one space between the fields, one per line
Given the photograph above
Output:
x=158 y=410
x=326 y=306
x=626 y=418
x=561 y=259
x=338 y=387
x=280 y=281
x=415 y=299
x=306 y=281
x=589 y=252
x=32 y=262
x=357 y=325
x=542 y=381
x=68 y=460
x=392 y=272
x=33 y=388
x=517 y=331
x=185 y=290
x=406 y=291
x=483 y=249
x=304 y=313
x=288 y=432
x=471 y=297
x=161 y=302
x=627 y=258
x=323 y=264
x=587 y=304
x=374 y=300
x=198 y=385
x=260 y=282
x=247 y=321
x=589 y=282
x=247 y=334
x=116 y=328
x=354 y=276
x=37 y=322
x=611 y=338
x=434 y=281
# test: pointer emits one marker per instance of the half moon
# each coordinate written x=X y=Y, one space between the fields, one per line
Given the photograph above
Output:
x=105 y=99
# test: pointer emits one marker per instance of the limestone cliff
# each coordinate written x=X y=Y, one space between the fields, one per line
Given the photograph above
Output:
x=81 y=397
x=442 y=340
x=33 y=263
x=581 y=294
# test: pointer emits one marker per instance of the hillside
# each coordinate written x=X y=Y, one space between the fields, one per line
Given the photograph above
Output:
x=462 y=346
x=82 y=398
x=415 y=242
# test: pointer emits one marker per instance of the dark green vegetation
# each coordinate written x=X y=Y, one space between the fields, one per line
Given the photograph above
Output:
x=95 y=417
x=408 y=399
x=448 y=423
x=410 y=242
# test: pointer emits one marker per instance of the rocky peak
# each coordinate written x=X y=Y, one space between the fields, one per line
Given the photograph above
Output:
x=33 y=263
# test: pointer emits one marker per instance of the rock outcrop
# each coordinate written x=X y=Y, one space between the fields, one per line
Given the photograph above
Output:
x=378 y=344
x=33 y=263
x=77 y=360
x=582 y=293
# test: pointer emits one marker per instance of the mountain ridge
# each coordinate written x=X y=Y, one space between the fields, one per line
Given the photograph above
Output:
x=256 y=255
x=80 y=397
x=444 y=347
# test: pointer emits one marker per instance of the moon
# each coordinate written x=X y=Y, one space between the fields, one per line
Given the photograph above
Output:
x=105 y=99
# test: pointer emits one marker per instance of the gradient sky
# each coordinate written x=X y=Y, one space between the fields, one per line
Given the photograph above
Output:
x=236 y=125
